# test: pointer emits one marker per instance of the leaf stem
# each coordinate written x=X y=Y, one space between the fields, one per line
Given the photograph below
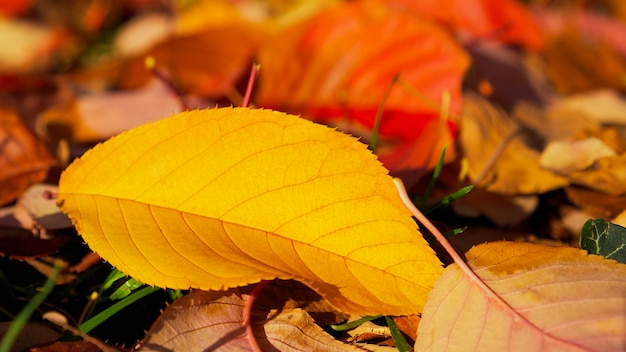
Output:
x=465 y=268
x=429 y=225
x=253 y=73
x=247 y=312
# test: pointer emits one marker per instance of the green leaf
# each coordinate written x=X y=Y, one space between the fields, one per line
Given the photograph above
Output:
x=604 y=238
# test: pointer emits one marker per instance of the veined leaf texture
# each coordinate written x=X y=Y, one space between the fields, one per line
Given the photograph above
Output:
x=214 y=199
x=548 y=299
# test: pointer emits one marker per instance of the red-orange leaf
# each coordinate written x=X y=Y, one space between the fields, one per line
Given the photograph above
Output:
x=338 y=65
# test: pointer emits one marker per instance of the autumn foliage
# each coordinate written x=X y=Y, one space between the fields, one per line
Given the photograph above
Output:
x=259 y=175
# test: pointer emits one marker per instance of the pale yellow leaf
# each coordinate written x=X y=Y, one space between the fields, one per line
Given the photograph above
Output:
x=226 y=197
x=564 y=157
x=548 y=299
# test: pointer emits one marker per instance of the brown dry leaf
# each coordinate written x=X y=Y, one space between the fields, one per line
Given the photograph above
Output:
x=408 y=325
x=484 y=129
x=596 y=204
x=96 y=117
x=224 y=321
x=24 y=159
x=504 y=211
x=576 y=64
x=540 y=298
x=607 y=175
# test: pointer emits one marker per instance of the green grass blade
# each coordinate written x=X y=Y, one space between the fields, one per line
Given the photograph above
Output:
x=448 y=199
x=456 y=231
x=113 y=276
x=353 y=324
x=96 y=320
x=125 y=289
x=379 y=113
x=397 y=336
x=24 y=315
x=433 y=180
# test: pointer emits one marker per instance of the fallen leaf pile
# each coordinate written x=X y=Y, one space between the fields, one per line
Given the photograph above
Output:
x=225 y=175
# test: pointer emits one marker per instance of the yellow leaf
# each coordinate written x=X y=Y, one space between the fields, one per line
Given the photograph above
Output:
x=226 y=197
x=552 y=299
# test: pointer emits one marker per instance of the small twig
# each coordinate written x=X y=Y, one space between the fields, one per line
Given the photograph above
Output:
x=150 y=64
x=253 y=73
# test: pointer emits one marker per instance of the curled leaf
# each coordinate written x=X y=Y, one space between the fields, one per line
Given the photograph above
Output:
x=227 y=197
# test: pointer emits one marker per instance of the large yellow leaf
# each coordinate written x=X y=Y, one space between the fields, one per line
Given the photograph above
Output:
x=226 y=197
x=540 y=298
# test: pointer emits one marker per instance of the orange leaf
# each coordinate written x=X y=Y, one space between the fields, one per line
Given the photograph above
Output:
x=226 y=197
x=206 y=63
x=507 y=21
x=339 y=63
x=539 y=298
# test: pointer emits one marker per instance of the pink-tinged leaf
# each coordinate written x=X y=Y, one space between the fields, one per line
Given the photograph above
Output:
x=536 y=298
x=100 y=116
x=228 y=321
